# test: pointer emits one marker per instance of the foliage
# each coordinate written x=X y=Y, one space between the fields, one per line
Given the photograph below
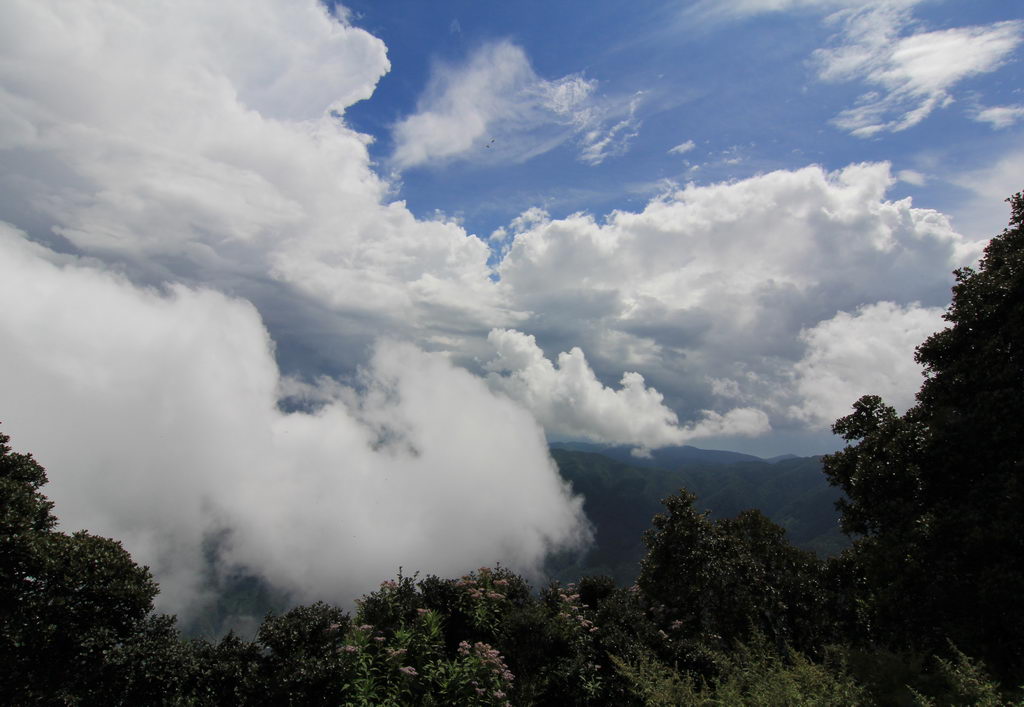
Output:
x=753 y=673
x=966 y=683
x=74 y=606
x=81 y=630
x=717 y=582
x=937 y=492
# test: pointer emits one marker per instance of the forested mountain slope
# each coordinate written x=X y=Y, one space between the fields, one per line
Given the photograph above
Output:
x=620 y=499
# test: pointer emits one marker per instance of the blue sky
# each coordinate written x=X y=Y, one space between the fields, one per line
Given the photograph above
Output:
x=327 y=278
x=747 y=90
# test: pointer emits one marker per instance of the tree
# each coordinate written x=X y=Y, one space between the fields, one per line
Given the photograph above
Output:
x=718 y=582
x=72 y=605
x=937 y=493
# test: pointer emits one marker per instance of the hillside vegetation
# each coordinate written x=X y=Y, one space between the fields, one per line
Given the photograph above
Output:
x=620 y=500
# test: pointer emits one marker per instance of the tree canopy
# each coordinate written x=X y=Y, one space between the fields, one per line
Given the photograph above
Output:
x=937 y=493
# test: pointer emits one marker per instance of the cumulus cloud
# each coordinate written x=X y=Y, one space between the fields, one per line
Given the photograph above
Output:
x=496 y=108
x=566 y=397
x=913 y=74
x=999 y=117
x=195 y=141
x=707 y=289
x=154 y=139
x=868 y=352
x=156 y=414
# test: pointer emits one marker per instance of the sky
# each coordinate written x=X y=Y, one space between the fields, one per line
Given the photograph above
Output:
x=320 y=280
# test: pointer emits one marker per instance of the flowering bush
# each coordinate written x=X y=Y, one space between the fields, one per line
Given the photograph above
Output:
x=396 y=650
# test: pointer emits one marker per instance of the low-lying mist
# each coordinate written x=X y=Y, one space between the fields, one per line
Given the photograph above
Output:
x=157 y=416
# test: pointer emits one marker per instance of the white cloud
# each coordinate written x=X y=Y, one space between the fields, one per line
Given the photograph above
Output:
x=911 y=176
x=156 y=416
x=495 y=108
x=984 y=214
x=196 y=140
x=868 y=352
x=741 y=9
x=706 y=290
x=999 y=117
x=178 y=166
x=601 y=143
x=566 y=397
x=682 y=148
x=194 y=160
x=913 y=74
x=190 y=142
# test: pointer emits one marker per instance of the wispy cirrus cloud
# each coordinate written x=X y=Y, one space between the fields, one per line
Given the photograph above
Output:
x=999 y=117
x=911 y=72
x=723 y=10
x=495 y=108
x=682 y=148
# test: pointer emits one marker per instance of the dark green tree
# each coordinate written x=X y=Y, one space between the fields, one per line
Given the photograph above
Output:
x=301 y=662
x=714 y=583
x=72 y=607
x=937 y=494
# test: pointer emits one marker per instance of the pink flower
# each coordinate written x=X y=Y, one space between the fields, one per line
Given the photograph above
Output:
x=350 y=649
x=408 y=670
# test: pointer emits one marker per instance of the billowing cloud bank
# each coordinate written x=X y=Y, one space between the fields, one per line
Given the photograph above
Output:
x=710 y=290
x=853 y=354
x=157 y=415
x=179 y=179
x=569 y=400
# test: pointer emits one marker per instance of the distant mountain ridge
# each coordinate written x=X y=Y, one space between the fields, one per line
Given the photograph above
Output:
x=622 y=493
x=663 y=458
